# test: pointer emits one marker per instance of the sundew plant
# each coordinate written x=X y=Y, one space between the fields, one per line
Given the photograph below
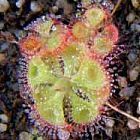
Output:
x=66 y=72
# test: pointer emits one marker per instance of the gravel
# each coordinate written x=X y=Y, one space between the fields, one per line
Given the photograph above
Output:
x=132 y=124
x=127 y=91
x=3 y=127
x=20 y=3
x=132 y=56
x=4 y=46
x=136 y=3
x=25 y=136
x=130 y=17
x=122 y=81
x=1 y=25
x=133 y=74
x=4 y=5
x=2 y=57
x=109 y=132
x=35 y=6
x=3 y=118
x=109 y=123
x=135 y=27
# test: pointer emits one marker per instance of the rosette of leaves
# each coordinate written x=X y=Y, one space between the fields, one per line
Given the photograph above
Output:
x=64 y=74
x=69 y=88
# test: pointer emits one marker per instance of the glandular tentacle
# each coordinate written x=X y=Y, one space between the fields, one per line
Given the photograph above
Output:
x=62 y=64
x=67 y=107
x=80 y=93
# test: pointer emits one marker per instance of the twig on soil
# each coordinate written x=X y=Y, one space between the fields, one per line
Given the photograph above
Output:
x=122 y=112
x=116 y=6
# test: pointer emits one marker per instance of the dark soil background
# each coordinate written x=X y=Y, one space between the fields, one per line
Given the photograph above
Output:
x=16 y=14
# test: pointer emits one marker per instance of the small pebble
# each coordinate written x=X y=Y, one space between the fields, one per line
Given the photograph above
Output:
x=54 y=9
x=127 y=92
x=132 y=124
x=133 y=74
x=35 y=6
x=4 y=118
x=136 y=3
x=109 y=132
x=122 y=81
x=19 y=3
x=3 y=127
x=4 y=5
x=135 y=27
x=132 y=56
x=2 y=57
x=65 y=5
x=25 y=136
x=130 y=17
x=137 y=68
x=4 y=46
x=1 y=25
x=110 y=123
